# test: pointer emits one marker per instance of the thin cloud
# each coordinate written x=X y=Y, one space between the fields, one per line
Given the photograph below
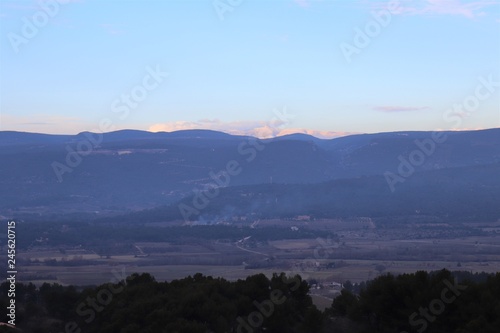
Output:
x=33 y=5
x=316 y=133
x=305 y=3
x=43 y=123
x=57 y=124
x=471 y=9
x=260 y=129
x=390 y=108
x=302 y=3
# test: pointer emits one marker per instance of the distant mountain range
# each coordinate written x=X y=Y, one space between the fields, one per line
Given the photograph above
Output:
x=127 y=171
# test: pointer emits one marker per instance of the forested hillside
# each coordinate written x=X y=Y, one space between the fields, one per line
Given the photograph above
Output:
x=123 y=171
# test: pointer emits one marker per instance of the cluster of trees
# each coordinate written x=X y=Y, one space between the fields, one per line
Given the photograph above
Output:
x=419 y=302
x=422 y=302
x=197 y=304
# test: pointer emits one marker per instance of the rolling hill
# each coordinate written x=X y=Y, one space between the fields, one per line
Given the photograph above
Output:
x=127 y=171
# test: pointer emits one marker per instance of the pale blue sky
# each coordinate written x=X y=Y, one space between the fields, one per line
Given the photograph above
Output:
x=231 y=71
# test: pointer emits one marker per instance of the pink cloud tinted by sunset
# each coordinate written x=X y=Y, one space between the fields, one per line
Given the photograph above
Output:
x=260 y=129
x=399 y=108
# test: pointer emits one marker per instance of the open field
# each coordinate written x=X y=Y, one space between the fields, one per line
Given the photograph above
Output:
x=356 y=255
x=326 y=253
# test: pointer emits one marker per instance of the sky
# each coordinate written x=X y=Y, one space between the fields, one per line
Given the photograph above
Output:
x=266 y=68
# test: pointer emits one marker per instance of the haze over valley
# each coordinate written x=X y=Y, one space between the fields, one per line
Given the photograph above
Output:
x=232 y=166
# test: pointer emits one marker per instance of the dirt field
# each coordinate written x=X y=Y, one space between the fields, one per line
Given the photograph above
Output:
x=356 y=258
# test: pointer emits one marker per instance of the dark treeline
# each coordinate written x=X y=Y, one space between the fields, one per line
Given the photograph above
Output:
x=419 y=302
x=441 y=301
x=193 y=304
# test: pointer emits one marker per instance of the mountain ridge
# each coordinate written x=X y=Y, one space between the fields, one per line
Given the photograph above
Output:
x=135 y=170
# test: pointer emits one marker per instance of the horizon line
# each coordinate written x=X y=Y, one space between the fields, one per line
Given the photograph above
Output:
x=252 y=136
